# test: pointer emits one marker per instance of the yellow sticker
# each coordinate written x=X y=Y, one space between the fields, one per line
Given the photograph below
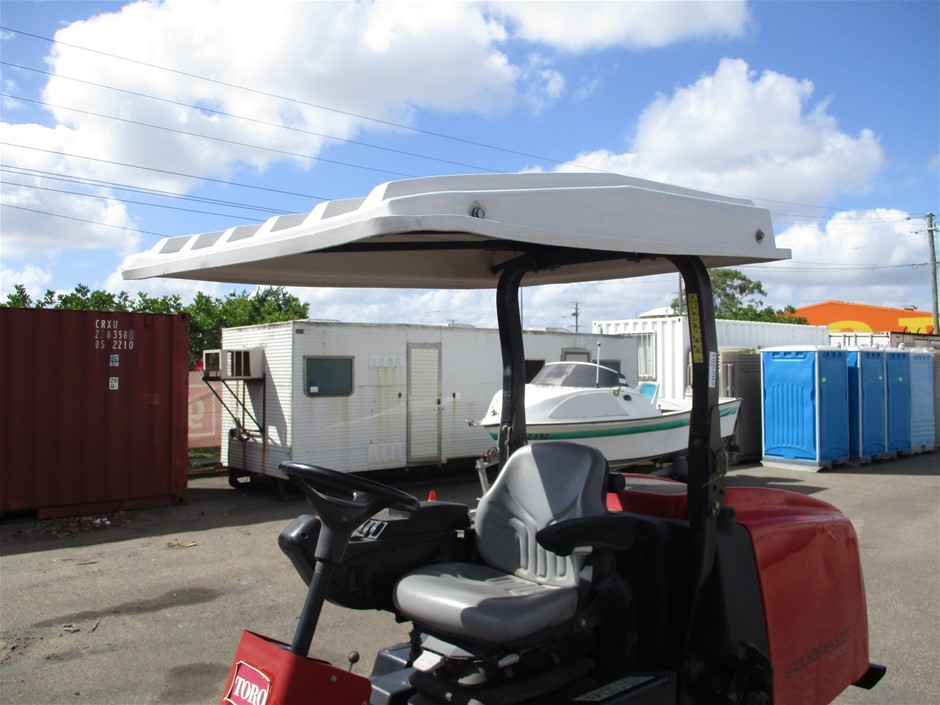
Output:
x=695 y=329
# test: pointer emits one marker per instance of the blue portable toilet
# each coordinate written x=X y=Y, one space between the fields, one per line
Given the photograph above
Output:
x=898 y=400
x=923 y=428
x=866 y=380
x=806 y=405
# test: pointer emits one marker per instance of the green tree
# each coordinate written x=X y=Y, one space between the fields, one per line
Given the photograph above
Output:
x=739 y=298
x=20 y=298
x=209 y=316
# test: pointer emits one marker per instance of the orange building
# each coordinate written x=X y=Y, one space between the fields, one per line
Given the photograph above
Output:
x=841 y=316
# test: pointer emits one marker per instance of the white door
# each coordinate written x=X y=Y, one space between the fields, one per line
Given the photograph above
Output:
x=424 y=402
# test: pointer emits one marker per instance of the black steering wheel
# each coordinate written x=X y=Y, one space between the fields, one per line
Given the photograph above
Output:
x=343 y=500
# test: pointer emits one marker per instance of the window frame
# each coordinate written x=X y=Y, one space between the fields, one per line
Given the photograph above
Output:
x=352 y=375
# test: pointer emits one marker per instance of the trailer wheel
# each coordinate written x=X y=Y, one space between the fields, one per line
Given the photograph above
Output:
x=233 y=478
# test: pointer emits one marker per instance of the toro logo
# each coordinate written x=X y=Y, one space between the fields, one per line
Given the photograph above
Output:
x=249 y=686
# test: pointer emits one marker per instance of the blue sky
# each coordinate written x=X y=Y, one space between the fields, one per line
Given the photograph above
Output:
x=124 y=122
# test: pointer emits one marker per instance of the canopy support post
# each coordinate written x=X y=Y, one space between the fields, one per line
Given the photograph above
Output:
x=512 y=425
x=707 y=459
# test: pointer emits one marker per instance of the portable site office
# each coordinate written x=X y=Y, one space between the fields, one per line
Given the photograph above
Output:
x=356 y=397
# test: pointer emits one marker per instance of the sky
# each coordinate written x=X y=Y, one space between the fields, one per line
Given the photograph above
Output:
x=125 y=122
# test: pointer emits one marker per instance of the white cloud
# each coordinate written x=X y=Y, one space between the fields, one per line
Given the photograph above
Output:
x=40 y=217
x=739 y=133
x=871 y=257
x=583 y=26
x=359 y=58
x=542 y=306
x=35 y=279
x=731 y=131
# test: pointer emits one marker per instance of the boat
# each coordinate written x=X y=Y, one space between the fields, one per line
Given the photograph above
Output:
x=593 y=405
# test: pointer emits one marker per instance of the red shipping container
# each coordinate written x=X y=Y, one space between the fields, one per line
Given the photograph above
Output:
x=95 y=411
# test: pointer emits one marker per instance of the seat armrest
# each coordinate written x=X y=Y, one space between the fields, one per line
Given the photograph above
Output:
x=614 y=532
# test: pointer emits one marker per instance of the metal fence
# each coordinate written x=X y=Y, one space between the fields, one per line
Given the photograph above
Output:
x=205 y=413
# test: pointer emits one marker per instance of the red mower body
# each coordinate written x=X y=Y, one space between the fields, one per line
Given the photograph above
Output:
x=265 y=672
x=810 y=577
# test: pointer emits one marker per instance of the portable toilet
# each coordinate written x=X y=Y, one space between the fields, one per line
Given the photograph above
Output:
x=806 y=406
x=936 y=394
x=923 y=429
x=898 y=400
x=866 y=380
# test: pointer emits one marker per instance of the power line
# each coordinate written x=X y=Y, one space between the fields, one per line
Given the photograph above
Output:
x=126 y=200
x=784 y=265
x=210 y=137
x=168 y=172
x=80 y=220
x=364 y=118
x=266 y=123
x=115 y=186
x=320 y=107
x=268 y=94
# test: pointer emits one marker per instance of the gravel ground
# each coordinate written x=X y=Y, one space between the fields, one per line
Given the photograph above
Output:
x=147 y=606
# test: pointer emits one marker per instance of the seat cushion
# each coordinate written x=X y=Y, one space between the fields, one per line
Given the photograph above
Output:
x=482 y=604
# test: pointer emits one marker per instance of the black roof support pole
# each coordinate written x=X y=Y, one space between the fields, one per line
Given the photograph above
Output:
x=707 y=458
x=512 y=425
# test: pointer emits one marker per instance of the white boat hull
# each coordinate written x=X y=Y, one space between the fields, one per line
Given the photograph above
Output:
x=630 y=441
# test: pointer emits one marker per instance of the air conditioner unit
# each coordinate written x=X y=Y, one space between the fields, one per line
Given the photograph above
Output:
x=233 y=364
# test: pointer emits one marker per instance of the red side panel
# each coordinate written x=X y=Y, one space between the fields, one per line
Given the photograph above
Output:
x=265 y=672
x=814 y=594
x=810 y=576
x=653 y=496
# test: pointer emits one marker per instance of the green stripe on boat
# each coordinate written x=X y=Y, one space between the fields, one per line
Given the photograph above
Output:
x=657 y=424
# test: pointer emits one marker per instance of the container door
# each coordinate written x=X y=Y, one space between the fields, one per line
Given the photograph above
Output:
x=898 y=391
x=833 y=405
x=923 y=433
x=872 y=401
x=790 y=404
x=424 y=402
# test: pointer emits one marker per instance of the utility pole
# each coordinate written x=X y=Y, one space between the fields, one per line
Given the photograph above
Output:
x=931 y=229
x=576 y=313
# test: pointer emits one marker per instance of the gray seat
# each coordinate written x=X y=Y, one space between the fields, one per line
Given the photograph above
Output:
x=520 y=588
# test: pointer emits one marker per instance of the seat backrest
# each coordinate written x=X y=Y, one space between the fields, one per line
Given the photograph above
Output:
x=540 y=484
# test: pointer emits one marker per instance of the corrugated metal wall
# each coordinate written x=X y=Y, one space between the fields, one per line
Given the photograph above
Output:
x=95 y=410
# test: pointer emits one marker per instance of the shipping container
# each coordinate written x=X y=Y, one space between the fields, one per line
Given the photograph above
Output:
x=882 y=340
x=806 y=406
x=94 y=411
x=359 y=397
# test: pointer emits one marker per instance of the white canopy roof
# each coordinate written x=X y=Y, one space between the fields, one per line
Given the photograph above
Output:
x=454 y=231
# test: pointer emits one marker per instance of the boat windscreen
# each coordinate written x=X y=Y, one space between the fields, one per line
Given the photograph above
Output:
x=574 y=374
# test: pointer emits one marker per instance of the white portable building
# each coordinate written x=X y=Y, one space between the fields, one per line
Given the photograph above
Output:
x=357 y=397
x=665 y=344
